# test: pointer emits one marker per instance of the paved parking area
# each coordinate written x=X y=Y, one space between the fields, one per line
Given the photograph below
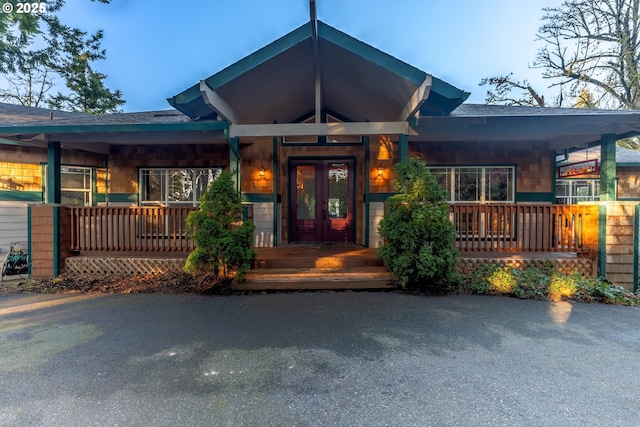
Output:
x=308 y=359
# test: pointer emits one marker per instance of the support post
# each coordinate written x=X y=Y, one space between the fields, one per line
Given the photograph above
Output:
x=276 y=186
x=54 y=192
x=404 y=146
x=608 y=168
x=235 y=162
x=367 y=187
x=602 y=240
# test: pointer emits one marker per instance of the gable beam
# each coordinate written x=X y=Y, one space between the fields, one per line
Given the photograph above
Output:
x=316 y=60
x=321 y=129
x=417 y=99
x=215 y=101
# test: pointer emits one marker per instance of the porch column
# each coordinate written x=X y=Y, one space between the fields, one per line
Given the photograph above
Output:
x=54 y=193
x=404 y=147
x=234 y=161
x=607 y=167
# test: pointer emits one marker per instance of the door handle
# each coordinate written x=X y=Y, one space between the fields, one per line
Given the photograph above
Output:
x=324 y=215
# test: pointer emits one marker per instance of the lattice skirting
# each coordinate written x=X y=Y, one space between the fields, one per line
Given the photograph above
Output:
x=584 y=266
x=92 y=265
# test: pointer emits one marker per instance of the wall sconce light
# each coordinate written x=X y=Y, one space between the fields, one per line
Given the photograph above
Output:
x=380 y=172
x=261 y=174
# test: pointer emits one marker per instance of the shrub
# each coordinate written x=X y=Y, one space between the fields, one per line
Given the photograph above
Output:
x=223 y=241
x=417 y=233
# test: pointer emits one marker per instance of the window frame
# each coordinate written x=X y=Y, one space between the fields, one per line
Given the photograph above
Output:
x=165 y=178
x=572 y=198
x=452 y=178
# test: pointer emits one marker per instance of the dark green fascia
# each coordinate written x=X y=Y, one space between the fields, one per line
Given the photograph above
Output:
x=371 y=54
x=105 y=128
x=20 y=196
x=443 y=99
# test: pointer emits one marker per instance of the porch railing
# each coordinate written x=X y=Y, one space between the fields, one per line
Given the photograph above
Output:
x=524 y=227
x=491 y=228
x=130 y=229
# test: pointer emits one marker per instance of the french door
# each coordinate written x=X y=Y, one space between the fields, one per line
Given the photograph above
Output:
x=321 y=196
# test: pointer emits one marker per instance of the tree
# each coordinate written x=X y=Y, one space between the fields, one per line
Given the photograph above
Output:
x=418 y=235
x=37 y=51
x=223 y=241
x=589 y=44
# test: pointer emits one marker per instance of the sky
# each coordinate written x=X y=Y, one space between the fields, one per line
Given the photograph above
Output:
x=158 y=48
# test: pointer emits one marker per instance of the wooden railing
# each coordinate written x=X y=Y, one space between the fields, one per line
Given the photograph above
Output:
x=526 y=228
x=491 y=228
x=130 y=229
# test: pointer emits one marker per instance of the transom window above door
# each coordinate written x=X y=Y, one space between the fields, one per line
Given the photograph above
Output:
x=175 y=186
x=329 y=139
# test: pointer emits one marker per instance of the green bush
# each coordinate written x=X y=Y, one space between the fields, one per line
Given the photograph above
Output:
x=545 y=284
x=223 y=241
x=416 y=230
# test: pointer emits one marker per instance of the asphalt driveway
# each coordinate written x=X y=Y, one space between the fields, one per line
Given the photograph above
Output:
x=308 y=359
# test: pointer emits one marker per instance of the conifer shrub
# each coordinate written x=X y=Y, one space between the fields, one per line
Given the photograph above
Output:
x=223 y=241
x=417 y=234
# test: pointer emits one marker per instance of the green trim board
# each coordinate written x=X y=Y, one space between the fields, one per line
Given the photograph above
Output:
x=20 y=196
x=53 y=183
x=523 y=197
x=211 y=125
x=379 y=197
x=257 y=197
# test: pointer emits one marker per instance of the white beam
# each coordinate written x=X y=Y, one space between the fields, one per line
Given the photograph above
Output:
x=419 y=96
x=321 y=129
x=215 y=101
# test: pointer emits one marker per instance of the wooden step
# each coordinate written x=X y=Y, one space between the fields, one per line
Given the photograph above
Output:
x=317 y=279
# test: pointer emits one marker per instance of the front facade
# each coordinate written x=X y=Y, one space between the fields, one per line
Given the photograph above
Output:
x=310 y=128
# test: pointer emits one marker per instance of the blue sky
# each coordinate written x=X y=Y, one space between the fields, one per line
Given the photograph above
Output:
x=156 y=49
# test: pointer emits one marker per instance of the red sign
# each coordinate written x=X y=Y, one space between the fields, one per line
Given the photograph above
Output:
x=581 y=168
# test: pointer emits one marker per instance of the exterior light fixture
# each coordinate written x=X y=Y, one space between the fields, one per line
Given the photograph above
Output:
x=380 y=172
x=261 y=174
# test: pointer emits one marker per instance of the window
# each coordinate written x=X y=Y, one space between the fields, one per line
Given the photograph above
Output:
x=75 y=185
x=572 y=191
x=175 y=187
x=476 y=184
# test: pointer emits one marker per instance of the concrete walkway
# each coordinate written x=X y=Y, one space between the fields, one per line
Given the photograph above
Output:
x=310 y=359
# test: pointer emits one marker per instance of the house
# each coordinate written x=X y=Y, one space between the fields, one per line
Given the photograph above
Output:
x=310 y=126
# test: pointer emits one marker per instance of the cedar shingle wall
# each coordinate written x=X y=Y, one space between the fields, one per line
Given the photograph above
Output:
x=532 y=159
x=628 y=182
x=126 y=159
x=620 y=239
x=255 y=156
x=41 y=241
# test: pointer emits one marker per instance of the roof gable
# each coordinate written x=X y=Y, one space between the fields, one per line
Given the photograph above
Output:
x=279 y=83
